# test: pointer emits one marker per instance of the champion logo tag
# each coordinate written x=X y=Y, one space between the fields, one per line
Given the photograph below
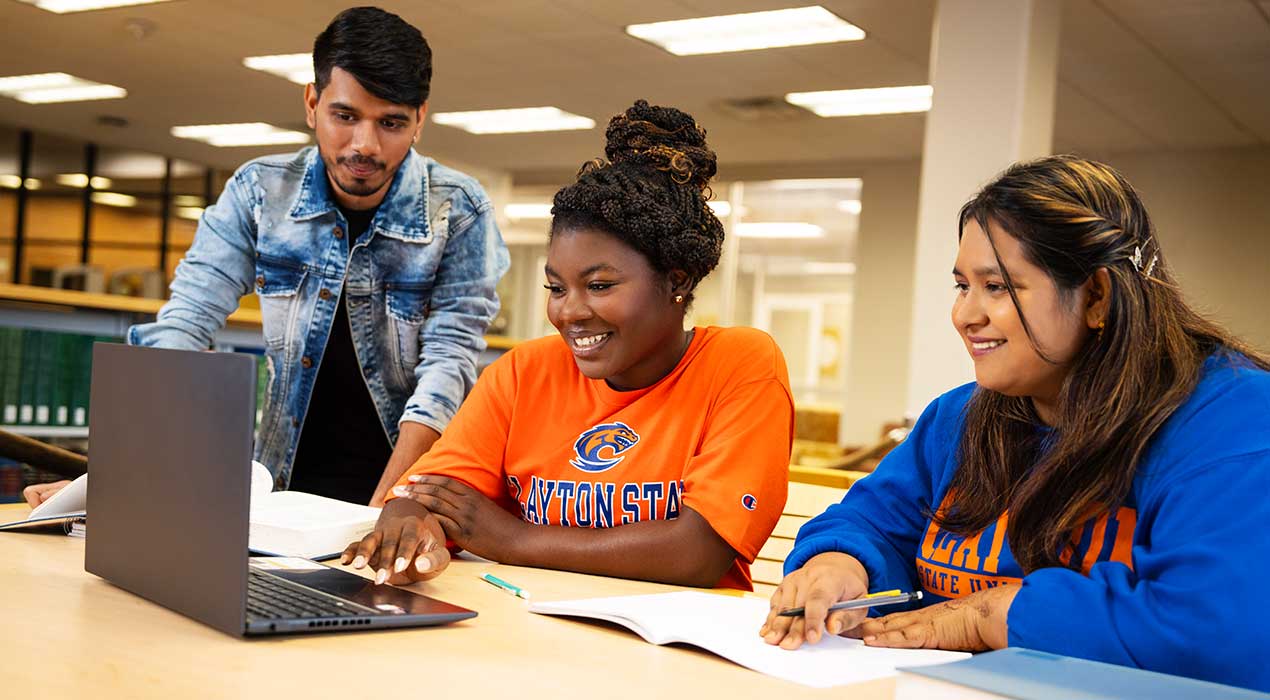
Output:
x=749 y=502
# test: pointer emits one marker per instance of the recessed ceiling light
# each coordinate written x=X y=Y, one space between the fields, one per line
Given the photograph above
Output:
x=42 y=88
x=64 y=6
x=81 y=180
x=528 y=210
x=114 y=199
x=514 y=121
x=296 y=67
x=850 y=103
x=249 y=134
x=778 y=229
x=799 y=26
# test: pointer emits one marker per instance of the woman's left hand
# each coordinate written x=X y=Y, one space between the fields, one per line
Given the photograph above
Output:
x=976 y=622
x=468 y=517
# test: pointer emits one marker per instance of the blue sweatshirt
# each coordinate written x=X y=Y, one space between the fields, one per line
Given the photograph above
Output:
x=1173 y=581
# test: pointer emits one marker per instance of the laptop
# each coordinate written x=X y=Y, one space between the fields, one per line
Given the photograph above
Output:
x=170 y=457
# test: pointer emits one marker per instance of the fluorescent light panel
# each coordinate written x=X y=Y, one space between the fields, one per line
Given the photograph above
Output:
x=12 y=182
x=849 y=206
x=81 y=180
x=43 y=88
x=296 y=67
x=779 y=229
x=514 y=121
x=528 y=210
x=248 y=134
x=799 y=26
x=192 y=213
x=187 y=200
x=64 y=6
x=114 y=199
x=851 y=103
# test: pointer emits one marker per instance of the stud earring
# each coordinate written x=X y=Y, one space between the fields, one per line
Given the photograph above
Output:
x=679 y=299
x=1102 y=325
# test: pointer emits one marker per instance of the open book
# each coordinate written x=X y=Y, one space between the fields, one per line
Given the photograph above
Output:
x=728 y=626
x=286 y=523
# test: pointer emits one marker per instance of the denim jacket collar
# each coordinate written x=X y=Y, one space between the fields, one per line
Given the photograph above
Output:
x=403 y=214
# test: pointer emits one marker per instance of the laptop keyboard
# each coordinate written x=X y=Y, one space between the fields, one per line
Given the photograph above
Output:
x=271 y=598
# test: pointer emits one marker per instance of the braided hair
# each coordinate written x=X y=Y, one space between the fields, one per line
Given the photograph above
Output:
x=651 y=193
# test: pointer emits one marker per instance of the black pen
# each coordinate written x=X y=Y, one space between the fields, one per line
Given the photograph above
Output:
x=866 y=602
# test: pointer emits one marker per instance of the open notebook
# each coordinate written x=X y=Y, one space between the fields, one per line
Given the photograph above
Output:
x=286 y=523
x=728 y=626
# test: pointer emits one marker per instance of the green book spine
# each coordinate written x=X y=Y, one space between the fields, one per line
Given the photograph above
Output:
x=11 y=369
x=82 y=378
x=46 y=378
x=30 y=370
x=62 y=380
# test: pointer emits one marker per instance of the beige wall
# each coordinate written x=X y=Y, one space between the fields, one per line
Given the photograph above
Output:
x=877 y=369
x=1211 y=210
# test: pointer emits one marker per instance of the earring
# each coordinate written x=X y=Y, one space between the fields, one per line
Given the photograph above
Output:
x=679 y=299
x=1102 y=325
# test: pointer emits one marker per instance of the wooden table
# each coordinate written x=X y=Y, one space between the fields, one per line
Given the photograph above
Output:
x=68 y=634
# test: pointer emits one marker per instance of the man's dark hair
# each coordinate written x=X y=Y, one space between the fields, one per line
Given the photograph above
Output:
x=388 y=56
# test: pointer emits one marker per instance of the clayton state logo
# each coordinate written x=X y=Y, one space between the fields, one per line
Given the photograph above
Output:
x=749 y=502
x=601 y=447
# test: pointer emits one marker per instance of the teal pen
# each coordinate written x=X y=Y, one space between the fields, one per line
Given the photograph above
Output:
x=509 y=587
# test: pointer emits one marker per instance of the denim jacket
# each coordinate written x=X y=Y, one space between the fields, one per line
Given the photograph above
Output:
x=419 y=286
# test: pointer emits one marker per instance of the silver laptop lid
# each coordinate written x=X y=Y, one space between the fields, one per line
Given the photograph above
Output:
x=170 y=449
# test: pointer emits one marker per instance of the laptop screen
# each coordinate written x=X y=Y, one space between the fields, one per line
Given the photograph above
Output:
x=170 y=455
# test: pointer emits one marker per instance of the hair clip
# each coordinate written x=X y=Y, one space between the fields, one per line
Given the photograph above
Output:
x=1137 y=258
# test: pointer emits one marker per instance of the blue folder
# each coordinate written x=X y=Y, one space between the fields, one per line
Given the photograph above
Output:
x=1026 y=675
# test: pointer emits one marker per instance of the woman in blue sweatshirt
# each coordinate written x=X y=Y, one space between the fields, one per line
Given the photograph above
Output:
x=1102 y=490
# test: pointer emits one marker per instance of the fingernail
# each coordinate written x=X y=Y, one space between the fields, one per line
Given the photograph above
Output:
x=414 y=478
x=399 y=490
x=400 y=565
x=359 y=562
x=431 y=545
x=381 y=576
x=343 y=558
x=423 y=564
x=869 y=638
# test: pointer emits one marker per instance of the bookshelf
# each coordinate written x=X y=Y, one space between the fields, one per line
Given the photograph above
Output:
x=58 y=327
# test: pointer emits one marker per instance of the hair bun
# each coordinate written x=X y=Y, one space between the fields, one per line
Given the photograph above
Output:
x=663 y=138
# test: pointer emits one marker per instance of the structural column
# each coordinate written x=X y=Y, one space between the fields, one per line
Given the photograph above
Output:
x=994 y=67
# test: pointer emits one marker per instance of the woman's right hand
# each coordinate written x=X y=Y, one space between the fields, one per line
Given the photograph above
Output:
x=407 y=545
x=824 y=580
x=36 y=494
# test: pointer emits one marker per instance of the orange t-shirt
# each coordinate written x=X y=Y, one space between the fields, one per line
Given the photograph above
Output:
x=714 y=435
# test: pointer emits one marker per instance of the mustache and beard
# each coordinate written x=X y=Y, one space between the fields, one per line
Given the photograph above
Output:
x=360 y=186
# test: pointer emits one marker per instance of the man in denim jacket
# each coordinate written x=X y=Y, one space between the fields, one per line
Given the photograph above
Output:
x=375 y=268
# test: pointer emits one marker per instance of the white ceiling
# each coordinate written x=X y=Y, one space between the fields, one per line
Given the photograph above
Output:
x=1134 y=75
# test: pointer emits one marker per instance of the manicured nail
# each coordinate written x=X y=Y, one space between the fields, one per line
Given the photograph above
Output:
x=381 y=576
x=359 y=562
x=400 y=565
x=414 y=478
x=399 y=491
x=868 y=638
x=423 y=564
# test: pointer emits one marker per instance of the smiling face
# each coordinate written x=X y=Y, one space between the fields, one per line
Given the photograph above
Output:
x=362 y=138
x=616 y=313
x=1006 y=360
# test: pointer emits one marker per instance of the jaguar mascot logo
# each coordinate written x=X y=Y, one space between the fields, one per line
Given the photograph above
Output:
x=600 y=448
